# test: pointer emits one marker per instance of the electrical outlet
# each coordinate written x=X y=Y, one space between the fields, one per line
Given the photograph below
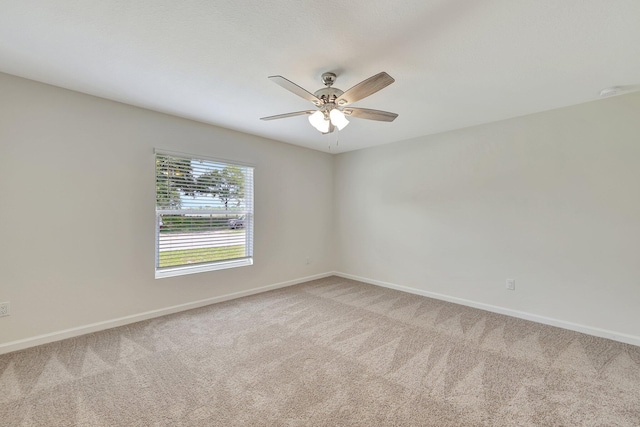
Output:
x=511 y=284
x=4 y=308
x=308 y=261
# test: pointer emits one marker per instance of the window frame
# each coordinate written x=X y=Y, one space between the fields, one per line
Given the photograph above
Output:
x=249 y=212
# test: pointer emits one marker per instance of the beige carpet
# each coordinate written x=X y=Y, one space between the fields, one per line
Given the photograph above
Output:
x=331 y=352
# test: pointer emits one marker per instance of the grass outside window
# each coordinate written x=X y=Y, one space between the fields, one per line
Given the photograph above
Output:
x=200 y=255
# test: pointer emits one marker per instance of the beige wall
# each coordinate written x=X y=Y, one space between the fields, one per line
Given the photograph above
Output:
x=551 y=200
x=77 y=218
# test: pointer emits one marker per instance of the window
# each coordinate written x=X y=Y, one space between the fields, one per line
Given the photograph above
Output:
x=204 y=214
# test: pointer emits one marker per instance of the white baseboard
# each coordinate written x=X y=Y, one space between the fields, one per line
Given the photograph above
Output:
x=99 y=326
x=589 y=330
x=107 y=324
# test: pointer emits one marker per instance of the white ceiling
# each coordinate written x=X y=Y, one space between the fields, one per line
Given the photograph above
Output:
x=456 y=63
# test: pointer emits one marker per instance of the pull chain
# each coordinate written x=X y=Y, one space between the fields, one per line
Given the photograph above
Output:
x=337 y=143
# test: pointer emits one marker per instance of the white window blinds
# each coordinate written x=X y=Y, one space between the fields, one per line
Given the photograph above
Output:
x=204 y=214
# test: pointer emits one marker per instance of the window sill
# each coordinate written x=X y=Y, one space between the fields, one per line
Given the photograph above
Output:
x=181 y=271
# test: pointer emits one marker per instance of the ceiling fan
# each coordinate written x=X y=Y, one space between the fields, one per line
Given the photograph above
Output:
x=331 y=102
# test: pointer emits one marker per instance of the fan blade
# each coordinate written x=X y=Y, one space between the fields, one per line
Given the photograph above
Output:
x=294 y=88
x=365 y=113
x=284 y=116
x=365 y=88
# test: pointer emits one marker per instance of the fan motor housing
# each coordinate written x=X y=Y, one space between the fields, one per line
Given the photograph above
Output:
x=328 y=94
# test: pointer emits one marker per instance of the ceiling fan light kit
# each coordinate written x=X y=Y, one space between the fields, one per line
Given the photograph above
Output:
x=330 y=102
x=338 y=119
x=320 y=122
